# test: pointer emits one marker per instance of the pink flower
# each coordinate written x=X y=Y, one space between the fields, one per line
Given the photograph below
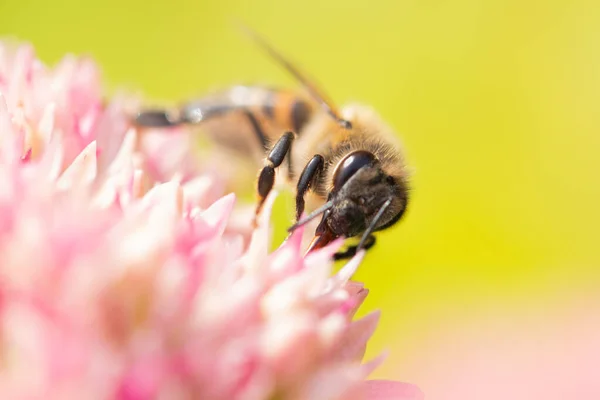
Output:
x=549 y=351
x=123 y=274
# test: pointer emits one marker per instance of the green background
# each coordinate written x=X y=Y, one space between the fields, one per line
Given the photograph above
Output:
x=497 y=103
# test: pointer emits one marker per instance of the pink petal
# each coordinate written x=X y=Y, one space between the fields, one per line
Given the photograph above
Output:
x=111 y=129
x=111 y=161
x=261 y=236
x=22 y=68
x=330 y=303
x=332 y=383
x=287 y=259
x=27 y=156
x=46 y=124
x=282 y=341
x=12 y=140
x=82 y=170
x=86 y=124
x=350 y=268
x=353 y=304
x=197 y=192
x=52 y=158
x=352 y=346
x=295 y=239
x=168 y=193
x=142 y=381
x=5 y=125
x=391 y=390
x=354 y=287
x=373 y=364
x=216 y=215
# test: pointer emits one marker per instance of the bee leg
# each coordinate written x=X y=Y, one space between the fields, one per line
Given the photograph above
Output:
x=258 y=131
x=274 y=159
x=351 y=251
x=290 y=168
x=307 y=180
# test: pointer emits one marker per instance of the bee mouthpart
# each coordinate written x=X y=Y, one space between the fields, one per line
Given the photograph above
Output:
x=321 y=241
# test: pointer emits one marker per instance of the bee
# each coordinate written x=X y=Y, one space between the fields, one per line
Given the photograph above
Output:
x=347 y=161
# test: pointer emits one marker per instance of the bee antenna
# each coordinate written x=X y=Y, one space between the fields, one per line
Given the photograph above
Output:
x=311 y=216
x=314 y=91
x=373 y=224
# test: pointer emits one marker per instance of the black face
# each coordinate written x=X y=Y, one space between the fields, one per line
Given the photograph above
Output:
x=361 y=188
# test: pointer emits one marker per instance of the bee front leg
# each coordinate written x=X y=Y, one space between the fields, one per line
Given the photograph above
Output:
x=307 y=180
x=274 y=159
x=351 y=251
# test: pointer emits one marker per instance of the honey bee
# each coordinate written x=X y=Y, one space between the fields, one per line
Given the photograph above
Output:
x=347 y=161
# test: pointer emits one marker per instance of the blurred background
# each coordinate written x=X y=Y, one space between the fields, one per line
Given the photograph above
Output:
x=496 y=101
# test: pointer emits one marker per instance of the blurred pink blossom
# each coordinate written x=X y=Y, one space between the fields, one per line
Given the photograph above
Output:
x=549 y=353
x=124 y=274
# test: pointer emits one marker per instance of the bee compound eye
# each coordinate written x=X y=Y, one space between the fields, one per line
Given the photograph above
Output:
x=350 y=165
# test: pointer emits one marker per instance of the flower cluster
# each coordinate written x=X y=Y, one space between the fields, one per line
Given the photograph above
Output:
x=124 y=273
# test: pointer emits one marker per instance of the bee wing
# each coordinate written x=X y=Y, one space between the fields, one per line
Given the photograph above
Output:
x=193 y=112
x=237 y=98
x=233 y=118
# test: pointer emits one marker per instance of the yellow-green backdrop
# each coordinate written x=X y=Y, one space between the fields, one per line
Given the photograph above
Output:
x=497 y=102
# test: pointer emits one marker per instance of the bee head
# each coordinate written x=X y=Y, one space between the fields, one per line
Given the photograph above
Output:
x=361 y=187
